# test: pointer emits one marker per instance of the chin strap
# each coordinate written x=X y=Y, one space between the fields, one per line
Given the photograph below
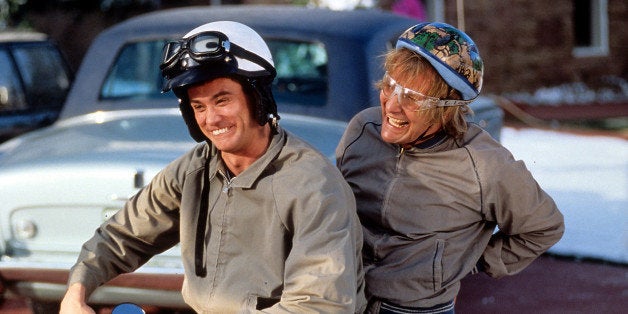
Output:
x=201 y=225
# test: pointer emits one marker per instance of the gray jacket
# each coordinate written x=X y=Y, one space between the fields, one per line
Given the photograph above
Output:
x=429 y=215
x=284 y=233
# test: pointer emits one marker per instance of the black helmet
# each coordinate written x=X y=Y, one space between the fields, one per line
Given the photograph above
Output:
x=220 y=49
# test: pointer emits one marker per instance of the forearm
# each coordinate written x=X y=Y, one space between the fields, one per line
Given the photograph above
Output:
x=75 y=300
x=317 y=292
x=528 y=219
x=509 y=254
x=95 y=264
x=114 y=250
x=326 y=273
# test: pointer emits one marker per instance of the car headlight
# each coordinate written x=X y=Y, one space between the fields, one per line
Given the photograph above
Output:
x=25 y=229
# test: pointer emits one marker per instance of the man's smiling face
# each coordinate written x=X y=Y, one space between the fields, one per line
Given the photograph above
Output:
x=401 y=126
x=224 y=115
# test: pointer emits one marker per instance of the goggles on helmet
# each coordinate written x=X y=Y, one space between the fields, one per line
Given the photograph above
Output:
x=412 y=100
x=202 y=48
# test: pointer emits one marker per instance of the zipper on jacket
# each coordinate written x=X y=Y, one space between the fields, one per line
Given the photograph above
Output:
x=401 y=151
x=400 y=156
x=228 y=180
x=393 y=180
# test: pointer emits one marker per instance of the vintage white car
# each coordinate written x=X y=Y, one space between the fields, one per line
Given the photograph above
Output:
x=59 y=183
x=117 y=130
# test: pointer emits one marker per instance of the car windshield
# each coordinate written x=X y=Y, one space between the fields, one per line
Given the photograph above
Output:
x=45 y=82
x=301 y=73
x=11 y=94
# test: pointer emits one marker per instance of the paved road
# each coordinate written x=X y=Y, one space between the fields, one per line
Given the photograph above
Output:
x=549 y=285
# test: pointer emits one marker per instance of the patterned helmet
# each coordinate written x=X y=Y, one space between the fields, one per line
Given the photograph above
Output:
x=451 y=52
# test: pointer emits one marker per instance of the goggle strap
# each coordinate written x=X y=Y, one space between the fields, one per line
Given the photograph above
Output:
x=454 y=102
x=245 y=54
x=171 y=59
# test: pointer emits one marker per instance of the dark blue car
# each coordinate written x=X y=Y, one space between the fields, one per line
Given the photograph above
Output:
x=34 y=82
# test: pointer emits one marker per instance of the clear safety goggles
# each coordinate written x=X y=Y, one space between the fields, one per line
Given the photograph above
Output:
x=204 y=48
x=412 y=100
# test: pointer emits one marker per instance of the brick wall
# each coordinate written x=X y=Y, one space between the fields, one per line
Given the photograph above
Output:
x=528 y=44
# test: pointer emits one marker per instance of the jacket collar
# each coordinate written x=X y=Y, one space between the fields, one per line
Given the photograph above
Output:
x=248 y=177
x=439 y=144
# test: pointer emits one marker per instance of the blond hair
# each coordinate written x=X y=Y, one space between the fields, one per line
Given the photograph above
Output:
x=408 y=66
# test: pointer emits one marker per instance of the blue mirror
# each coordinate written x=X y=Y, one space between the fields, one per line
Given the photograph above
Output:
x=127 y=308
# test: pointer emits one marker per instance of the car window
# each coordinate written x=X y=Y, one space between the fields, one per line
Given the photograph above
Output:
x=135 y=73
x=11 y=95
x=301 y=72
x=46 y=81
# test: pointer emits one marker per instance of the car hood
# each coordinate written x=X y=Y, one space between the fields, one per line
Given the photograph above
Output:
x=102 y=137
x=155 y=136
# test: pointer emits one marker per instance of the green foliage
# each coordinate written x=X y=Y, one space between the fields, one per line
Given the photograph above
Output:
x=13 y=13
x=9 y=8
x=301 y=2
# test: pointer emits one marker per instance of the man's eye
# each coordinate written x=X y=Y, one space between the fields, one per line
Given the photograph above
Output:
x=414 y=99
x=197 y=107
x=410 y=97
x=222 y=101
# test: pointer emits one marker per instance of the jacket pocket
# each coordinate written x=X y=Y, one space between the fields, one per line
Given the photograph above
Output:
x=256 y=303
x=264 y=303
x=437 y=265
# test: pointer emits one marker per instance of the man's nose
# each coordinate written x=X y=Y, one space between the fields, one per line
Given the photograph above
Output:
x=210 y=116
x=393 y=101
